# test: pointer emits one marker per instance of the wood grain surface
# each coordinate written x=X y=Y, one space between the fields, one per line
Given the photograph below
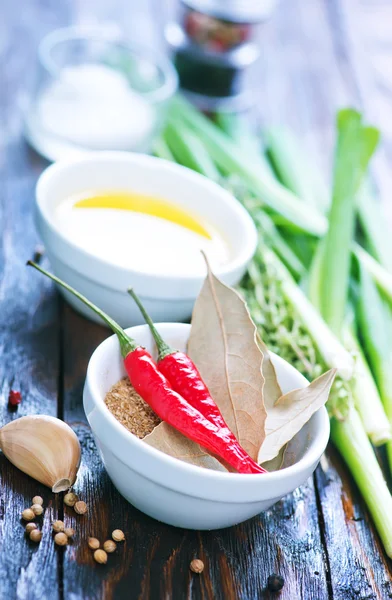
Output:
x=317 y=55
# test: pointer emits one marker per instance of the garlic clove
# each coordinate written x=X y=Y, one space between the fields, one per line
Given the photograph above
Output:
x=44 y=447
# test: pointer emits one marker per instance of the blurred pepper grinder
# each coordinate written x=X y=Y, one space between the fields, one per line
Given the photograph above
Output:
x=214 y=44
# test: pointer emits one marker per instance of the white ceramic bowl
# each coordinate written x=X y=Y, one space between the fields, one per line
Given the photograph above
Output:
x=167 y=298
x=173 y=491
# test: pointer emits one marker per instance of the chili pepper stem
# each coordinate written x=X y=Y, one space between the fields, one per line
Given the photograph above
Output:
x=163 y=348
x=127 y=344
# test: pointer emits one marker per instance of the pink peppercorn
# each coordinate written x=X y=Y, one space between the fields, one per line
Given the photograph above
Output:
x=14 y=398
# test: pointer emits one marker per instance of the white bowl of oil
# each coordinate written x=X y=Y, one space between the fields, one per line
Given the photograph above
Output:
x=112 y=220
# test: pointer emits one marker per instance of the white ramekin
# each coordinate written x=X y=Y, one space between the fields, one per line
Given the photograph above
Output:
x=171 y=490
x=167 y=298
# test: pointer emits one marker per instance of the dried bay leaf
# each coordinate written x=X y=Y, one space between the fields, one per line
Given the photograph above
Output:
x=272 y=390
x=170 y=441
x=291 y=411
x=223 y=345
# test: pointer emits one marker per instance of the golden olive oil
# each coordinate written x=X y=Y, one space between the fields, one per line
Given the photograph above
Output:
x=149 y=205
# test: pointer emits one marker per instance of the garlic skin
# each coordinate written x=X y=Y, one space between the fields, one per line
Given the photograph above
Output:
x=44 y=447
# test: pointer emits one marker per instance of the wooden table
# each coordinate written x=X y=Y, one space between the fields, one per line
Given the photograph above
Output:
x=317 y=55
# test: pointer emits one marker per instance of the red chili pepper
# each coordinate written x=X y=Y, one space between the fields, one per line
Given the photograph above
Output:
x=14 y=398
x=185 y=379
x=156 y=390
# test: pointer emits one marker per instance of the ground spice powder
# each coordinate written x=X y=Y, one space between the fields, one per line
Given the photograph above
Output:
x=130 y=409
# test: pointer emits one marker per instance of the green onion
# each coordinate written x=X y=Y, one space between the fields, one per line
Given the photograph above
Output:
x=380 y=276
x=278 y=314
x=353 y=444
x=355 y=146
x=375 y=322
x=365 y=393
x=189 y=150
x=373 y=223
x=238 y=128
x=162 y=150
x=231 y=160
x=293 y=169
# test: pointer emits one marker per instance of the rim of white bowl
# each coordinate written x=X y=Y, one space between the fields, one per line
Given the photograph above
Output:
x=312 y=453
x=241 y=258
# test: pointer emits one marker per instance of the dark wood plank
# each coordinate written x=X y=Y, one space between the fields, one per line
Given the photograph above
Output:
x=358 y=564
x=29 y=363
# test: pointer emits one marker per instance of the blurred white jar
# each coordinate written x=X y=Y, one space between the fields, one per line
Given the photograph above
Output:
x=95 y=93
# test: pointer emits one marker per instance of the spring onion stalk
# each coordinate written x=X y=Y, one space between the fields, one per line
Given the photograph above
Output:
x=365 y=393
x=238 y=128
x=278 y=314
x=350 y=438
x=230 y=161
x=379 y=261
x=162 y=150
x=375 y=321
x=292 y=168
x=373 y=224
x=189 y=150
x=380 y=276
x=355 y=146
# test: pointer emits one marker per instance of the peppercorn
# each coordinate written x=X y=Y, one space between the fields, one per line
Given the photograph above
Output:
x=58 y=526
x=275 y=582
x=100 y=557
x=80 y=507
x=61 y=539
x=118 y=535
x=197 y=565
x=36 y=536
x=14 y=398
x=109 y=546
x=69 y=532
x=37 y=509
x=30 y=527
x=38 y=500
x=28 y=514
x=70 y=499
x=93 y=543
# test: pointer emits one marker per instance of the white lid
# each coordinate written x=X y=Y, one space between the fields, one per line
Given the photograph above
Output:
x=242 y=11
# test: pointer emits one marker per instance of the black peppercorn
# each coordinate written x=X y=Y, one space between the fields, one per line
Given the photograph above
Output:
x=275 y=582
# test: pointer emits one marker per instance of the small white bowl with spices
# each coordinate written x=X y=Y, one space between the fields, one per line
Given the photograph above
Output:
x=173 y=491
x=111 y=220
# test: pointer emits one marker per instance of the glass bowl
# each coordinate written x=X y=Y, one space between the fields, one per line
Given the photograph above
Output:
x=94 y=93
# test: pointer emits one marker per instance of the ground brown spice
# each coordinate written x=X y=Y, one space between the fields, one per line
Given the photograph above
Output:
x=130 y=409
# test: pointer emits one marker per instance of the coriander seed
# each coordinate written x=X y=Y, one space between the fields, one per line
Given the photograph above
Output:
x=30 y=527
x=38 y=500
x=118 y=535
x=101 y=557
x=58 y=526
x=36 y=536
x=61 y=539
x=28 y=514
x=37 y=509
x=109 y=546
x=93 y=543
x=69 y=532
x=197 y=565
x=70 y=499
x=80 y=507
